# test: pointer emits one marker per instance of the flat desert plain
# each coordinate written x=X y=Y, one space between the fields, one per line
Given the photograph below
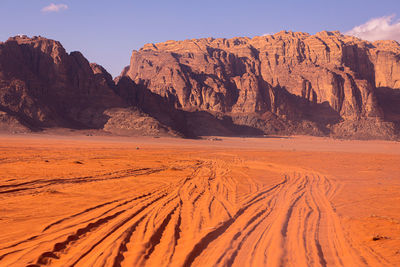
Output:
x=109 y=201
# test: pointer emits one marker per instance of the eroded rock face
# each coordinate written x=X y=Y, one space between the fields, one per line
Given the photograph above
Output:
x=288 y=83
x=45 y=86
x=386 y=59
x=11 y=124
x=301 y=83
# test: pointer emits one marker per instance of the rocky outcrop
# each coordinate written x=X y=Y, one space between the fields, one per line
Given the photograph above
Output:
x=287 y=83
x=11 y=124
x=188 y=124
x=133 y=121
x=385 y=57
x=41 y=85
x=46 y=87
x=283 y=83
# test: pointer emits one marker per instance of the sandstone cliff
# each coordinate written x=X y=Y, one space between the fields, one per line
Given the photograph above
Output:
x=45 y=86
x=289 y=82
x=41 y=85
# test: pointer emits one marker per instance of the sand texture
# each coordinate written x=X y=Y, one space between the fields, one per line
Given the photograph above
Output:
x=108 y=201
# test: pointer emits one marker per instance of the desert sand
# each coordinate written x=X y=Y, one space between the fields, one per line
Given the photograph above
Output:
x=119 y=201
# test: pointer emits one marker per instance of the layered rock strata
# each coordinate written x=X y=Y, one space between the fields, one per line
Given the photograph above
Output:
x=283 y=83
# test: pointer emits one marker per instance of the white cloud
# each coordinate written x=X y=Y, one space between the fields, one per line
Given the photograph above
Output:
x=54 y=7
x=268 y=33
x=383 y=28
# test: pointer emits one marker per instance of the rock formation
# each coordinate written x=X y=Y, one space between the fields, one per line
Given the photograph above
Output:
x=45 y=86
x=289 y=82
x=41 y=85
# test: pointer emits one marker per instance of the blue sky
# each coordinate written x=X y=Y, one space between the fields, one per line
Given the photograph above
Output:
x=107 y=31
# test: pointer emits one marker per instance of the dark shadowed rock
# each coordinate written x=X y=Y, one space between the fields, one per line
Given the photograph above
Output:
x=43 y=86
x=47 y=87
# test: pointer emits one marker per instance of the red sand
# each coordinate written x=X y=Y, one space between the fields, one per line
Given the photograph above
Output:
x=100 y=201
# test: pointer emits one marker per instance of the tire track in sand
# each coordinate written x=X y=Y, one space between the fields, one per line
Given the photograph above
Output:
x=198 y=222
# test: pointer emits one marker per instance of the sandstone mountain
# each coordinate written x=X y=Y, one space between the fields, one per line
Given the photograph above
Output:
x=287 y=83
x=43 y=86
x=323 y=84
